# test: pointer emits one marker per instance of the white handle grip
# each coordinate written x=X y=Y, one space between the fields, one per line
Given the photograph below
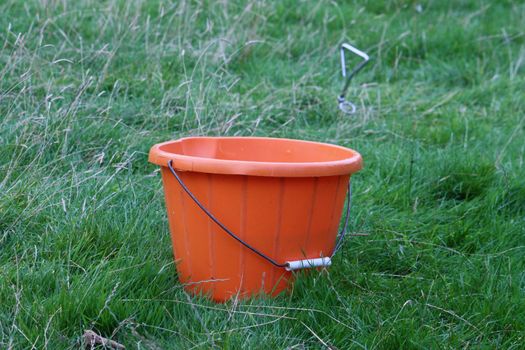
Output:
x=307 y=263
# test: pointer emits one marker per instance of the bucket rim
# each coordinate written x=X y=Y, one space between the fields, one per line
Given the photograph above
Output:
x=346 y=166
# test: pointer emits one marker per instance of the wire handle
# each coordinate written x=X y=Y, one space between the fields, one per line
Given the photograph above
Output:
x=288 y=265
x=347 y=106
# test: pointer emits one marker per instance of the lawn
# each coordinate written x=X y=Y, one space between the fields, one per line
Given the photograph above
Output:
x=437 y=259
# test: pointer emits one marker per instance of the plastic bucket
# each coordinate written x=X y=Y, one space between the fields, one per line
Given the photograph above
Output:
x=282 y=197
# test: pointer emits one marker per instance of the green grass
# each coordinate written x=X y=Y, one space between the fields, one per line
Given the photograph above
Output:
x=86 y=87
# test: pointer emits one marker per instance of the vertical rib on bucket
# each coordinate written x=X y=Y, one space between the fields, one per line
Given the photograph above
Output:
x=287 y=218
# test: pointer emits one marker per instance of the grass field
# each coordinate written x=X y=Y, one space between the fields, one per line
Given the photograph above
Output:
x=86 y=87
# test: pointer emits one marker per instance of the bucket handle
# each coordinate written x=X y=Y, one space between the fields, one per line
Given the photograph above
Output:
x=288 y=265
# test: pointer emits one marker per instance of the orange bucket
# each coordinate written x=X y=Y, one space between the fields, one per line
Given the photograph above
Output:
x=244 y=211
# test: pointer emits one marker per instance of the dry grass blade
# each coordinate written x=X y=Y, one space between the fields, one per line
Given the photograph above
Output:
x=92 y=339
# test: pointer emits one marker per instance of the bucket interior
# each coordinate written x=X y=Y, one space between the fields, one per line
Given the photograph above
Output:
x=257 y=150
